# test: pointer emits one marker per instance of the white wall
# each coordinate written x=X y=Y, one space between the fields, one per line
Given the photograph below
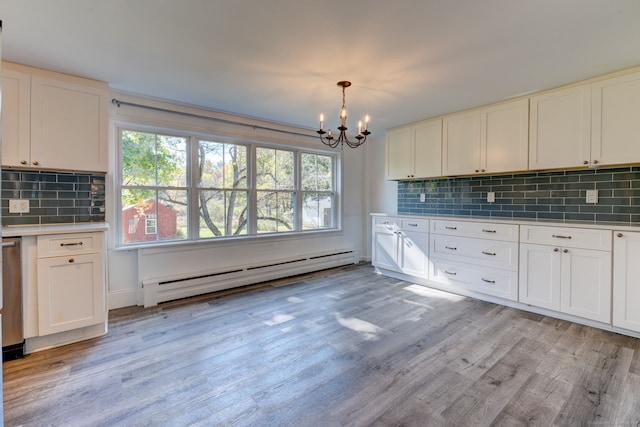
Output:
x=124 y=287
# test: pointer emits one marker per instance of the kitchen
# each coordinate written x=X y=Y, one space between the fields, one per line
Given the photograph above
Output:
x=364 y=188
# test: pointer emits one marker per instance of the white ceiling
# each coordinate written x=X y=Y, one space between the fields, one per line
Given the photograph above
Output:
x=280 y=59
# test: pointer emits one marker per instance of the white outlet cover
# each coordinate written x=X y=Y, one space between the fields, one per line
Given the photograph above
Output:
x=423 y=198
x=18 y=206
x=592 y=196
x=491 y=197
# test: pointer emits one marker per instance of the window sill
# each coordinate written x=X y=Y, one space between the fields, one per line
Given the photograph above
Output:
x=157 y=247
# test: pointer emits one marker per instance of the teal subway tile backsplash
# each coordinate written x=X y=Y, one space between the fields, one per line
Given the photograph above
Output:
x=559 y=196
x=54 y=197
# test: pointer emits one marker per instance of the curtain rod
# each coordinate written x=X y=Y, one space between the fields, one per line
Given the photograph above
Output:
x=118 y=103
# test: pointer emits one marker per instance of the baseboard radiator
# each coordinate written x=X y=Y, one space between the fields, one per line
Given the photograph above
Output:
x=162 y=289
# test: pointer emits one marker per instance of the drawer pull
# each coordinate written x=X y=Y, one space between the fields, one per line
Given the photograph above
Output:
x=71 y=244
x=451 y=228
x=489 y=253
x=488 y=231
x=452 y=273
x=560 y=236
x=386 y=222
x=487 y=280
x=413 y=225
x=71 y=260
x=451 y=248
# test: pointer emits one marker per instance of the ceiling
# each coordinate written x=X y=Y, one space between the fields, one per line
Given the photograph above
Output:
x=280 y=59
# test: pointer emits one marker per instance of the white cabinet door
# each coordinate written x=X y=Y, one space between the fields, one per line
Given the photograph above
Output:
x=69 y=123
x=586 y=284
x=626 y=280
x=615 y=136
x=427 y=154
x=413 y=253
x=505 y=137
x=415 y=151
x=71 y=292
x=385 y=248
x=560 y=129
x=16 y=122
x=399 y=154
x=540 y=275
x=461 y=144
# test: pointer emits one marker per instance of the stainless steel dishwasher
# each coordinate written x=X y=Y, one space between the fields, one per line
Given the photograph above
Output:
x=12 y=324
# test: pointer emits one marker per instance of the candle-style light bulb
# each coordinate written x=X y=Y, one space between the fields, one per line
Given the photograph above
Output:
x=329 y=134
x=359 y=127
x=321 y=121
x=366 y=122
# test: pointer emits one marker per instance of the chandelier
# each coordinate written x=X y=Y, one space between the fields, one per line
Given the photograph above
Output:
x=342 y=138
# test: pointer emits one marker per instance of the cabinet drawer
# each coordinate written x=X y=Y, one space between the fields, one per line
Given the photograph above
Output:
x=67 y=244
x=421 y=225
x=386 y=222
x=581 y=238
x=484 y=230
x=490 y=281
x=490 y=253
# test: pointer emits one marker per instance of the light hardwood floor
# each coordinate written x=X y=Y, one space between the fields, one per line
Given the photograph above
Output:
x=343 y=347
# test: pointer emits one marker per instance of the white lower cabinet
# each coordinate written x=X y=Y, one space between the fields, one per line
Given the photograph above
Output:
x=569 y=275
x=70 y=282
x=401 y=245
x=475 y=256
x=626 y=280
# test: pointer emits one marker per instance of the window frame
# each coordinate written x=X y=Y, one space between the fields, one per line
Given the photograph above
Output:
x=193 y=214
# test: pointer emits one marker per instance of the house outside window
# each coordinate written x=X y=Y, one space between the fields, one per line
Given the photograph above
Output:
x=186 y=187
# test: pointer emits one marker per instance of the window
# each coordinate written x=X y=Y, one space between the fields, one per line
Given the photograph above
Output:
x=154 y=187
x=183 y=187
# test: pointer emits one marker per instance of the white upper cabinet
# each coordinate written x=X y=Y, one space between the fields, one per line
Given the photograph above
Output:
x=615 y=129
x=66 y=118
x=588 y=125
x=16 y=120
x=489 y=140
x=415 y=151
x=505 y=137
x=461 y=144
x=560 y=129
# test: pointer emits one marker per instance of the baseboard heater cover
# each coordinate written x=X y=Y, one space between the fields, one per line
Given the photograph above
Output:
x=162 y=289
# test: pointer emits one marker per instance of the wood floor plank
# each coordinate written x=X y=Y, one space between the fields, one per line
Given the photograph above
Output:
x=341 y=347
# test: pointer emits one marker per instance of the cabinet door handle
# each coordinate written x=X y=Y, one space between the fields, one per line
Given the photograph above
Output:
x=489 y=253
x=488 y=231
x=556 y=250
x=71 y=260
x=565 y=250
x=23 y=162
x=619 y=234
x=71 y=244
x=451 y=228
x=487 y=280
x=595 y=162
x=451 y=248
x=453 y=273
x=35 y=163
x=585 y=162
x=560 y=236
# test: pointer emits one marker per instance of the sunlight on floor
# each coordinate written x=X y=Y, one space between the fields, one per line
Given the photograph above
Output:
x=432 y=293
x=368 y=331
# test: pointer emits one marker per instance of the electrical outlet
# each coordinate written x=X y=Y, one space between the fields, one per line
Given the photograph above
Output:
x=18 y=206
x=491 y=197
x=592 y=196
x=423 y=198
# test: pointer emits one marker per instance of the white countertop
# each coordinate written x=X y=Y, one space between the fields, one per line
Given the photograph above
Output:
x=36 y=230
x=522 y=221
